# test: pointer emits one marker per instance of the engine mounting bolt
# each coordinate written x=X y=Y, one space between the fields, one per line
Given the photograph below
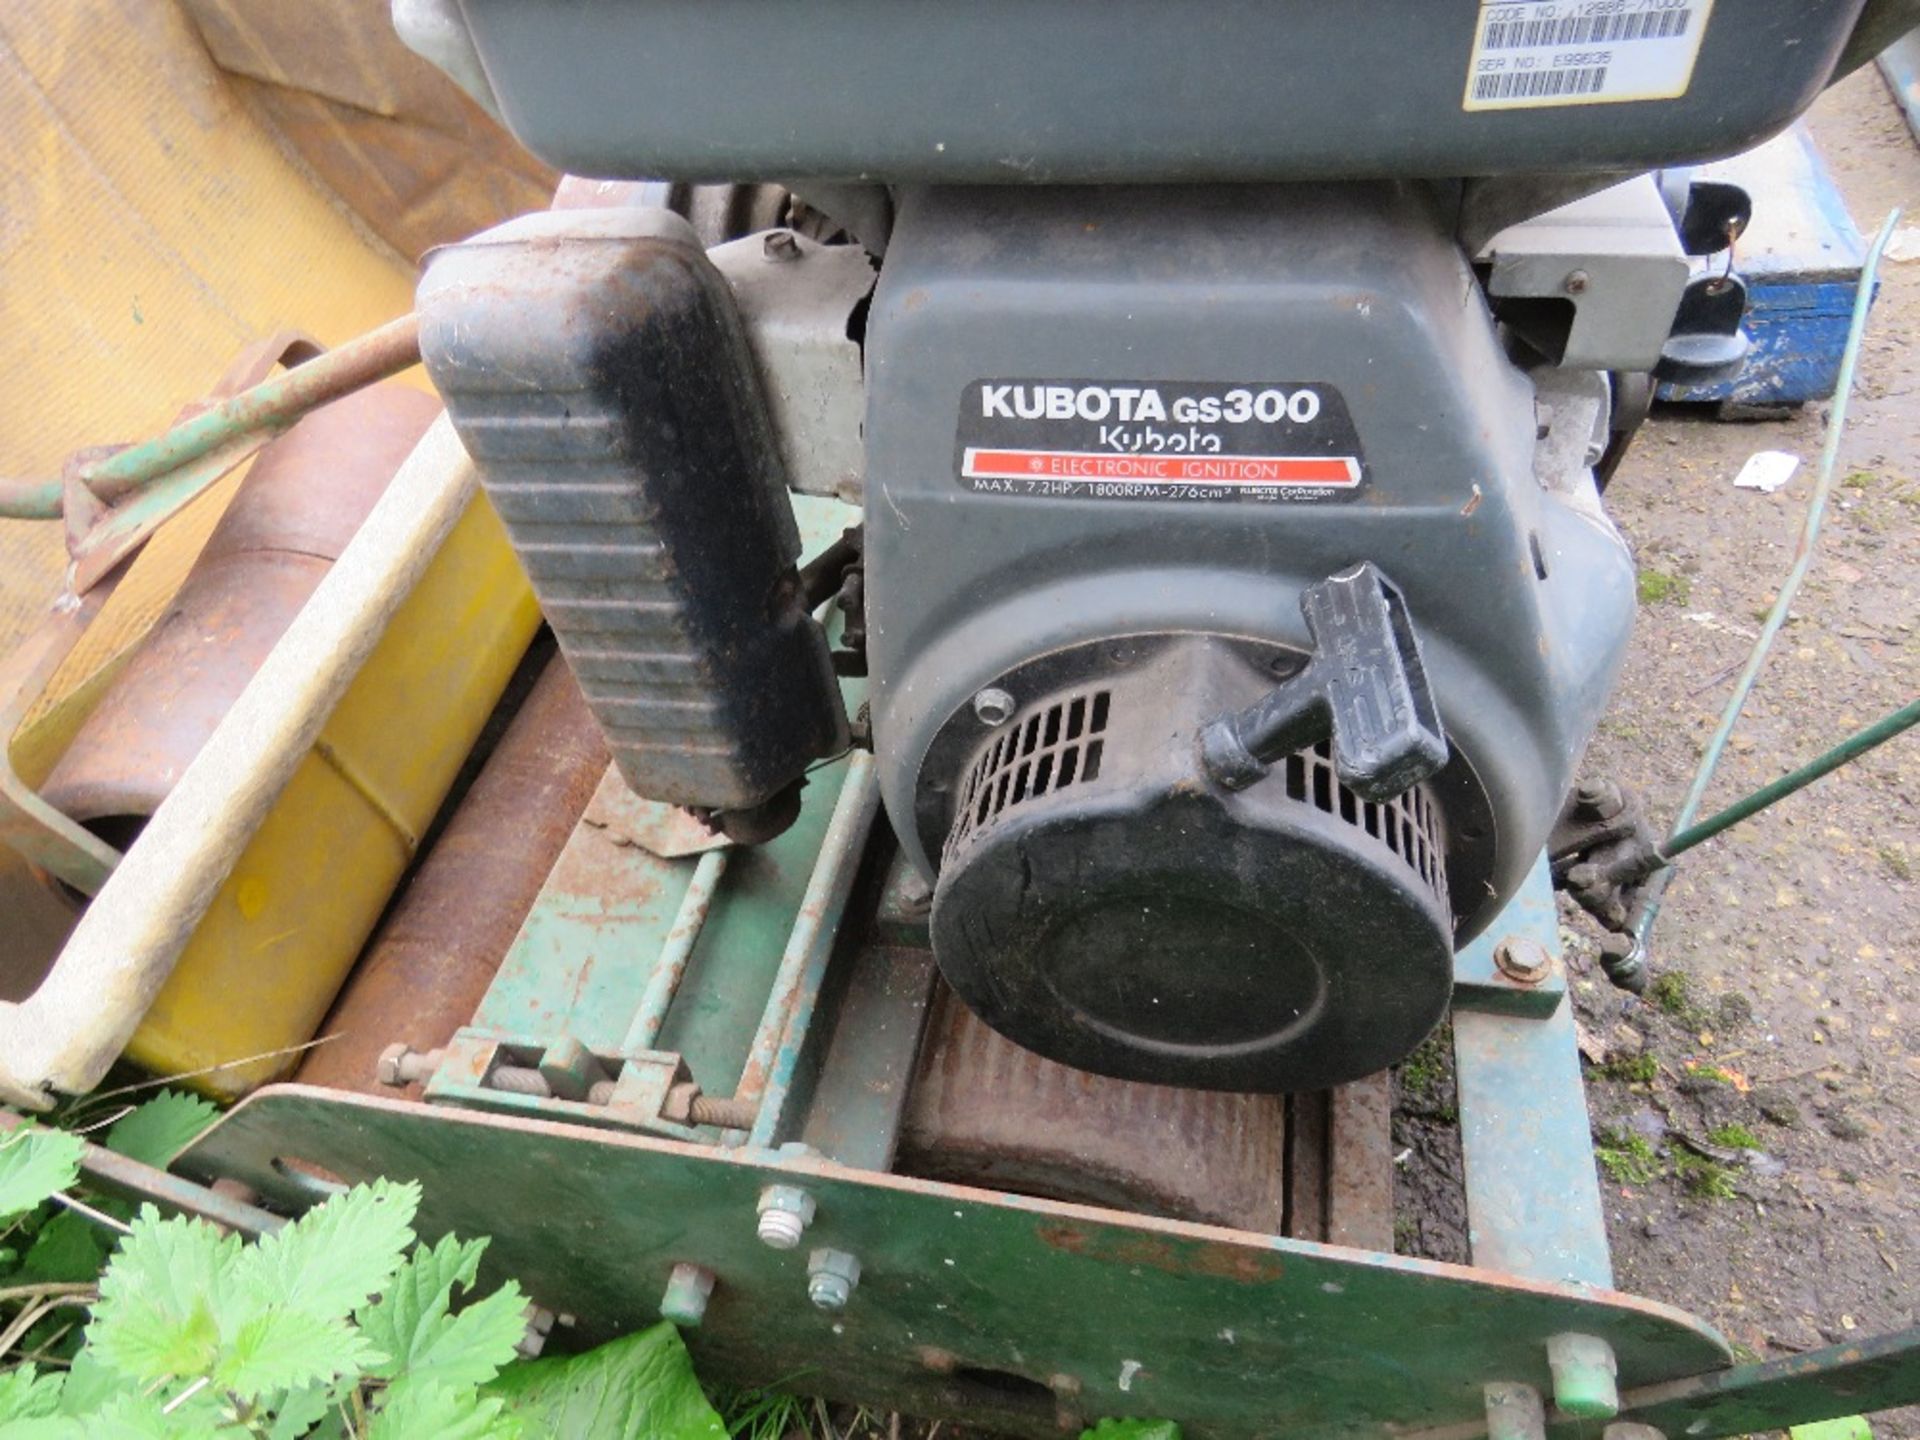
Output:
x=831 y=1276
x=785 y=1213
x=1576 y=282
x=1585 y=1376
x=685 y=1300
x=993 y=706
x=1523 y=960
x=780 y=246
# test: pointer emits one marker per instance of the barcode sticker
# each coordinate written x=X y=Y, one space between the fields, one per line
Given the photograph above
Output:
x=1583 y=52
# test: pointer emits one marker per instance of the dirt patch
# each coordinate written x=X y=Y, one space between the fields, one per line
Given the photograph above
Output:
x=1758 y=1115
x=1429 y=1182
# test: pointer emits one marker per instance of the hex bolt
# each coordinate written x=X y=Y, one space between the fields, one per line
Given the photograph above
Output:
x=1576 y=282
x=1514 y=1412
x=533 y=1340
x=689 y=1287
x=780 y=245
x=1585 y=1376
x=831 y=1276
x=916 y=895
x=1523 y=960
x=785 y=1213
x=401 y=1064
x=993 y=706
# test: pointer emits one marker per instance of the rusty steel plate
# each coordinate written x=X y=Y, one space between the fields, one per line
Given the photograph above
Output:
x=1018 y=1313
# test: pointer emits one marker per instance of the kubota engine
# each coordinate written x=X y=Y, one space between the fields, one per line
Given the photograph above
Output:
x=1233 y=591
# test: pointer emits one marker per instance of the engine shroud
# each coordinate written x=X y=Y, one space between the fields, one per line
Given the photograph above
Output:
x=1167 y=413
x=1101 y=903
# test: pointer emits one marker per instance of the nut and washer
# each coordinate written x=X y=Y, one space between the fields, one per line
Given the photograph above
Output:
x=831 y=1276
x=688 y=1289
x=1585 y=1383
x=533 y=1339
x=993 y=706
x=1514 y=1412
x=785 y=1213
x=1523 y=960
x=401 y=1064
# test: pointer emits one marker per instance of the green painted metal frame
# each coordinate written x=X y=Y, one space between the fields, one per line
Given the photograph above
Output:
x=1533 y=1197
x=1025 y=1314
x=1019 y=1312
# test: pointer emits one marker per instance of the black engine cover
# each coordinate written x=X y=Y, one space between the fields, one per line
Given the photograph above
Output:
x=1101 y=903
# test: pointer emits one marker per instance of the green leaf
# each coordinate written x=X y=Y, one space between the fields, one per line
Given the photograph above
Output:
x=159 y=1297
x=161 y=1128
x=1846 y=1427
x=641 y=1385
x=67 y=1249
x=123 y=1417
x=34 y=1164
x=333 y=1257
x=287 y=1349
x=141 y=1417
x=475 y=1344
x=412 y=1325
x=422 y=1410
x=45 y=1427
x=90 y=1385
x=1132 y=1430
x=300 y=1411
x=418 y=1298
x=25 y=1394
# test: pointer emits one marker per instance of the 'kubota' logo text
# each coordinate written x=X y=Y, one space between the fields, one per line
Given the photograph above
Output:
x=1143 y=403
x=1063 y=402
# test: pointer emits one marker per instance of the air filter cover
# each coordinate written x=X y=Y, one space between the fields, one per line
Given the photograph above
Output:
x=1102 y=905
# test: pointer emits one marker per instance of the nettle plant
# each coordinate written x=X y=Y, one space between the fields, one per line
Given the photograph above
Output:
x=337 y=1324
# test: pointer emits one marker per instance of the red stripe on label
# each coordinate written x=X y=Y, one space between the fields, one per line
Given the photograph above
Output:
x=1342 y=471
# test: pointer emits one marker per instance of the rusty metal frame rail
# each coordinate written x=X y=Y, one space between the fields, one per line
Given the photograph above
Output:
x=134 y=1180
x=67 y=1033
x=231 y=429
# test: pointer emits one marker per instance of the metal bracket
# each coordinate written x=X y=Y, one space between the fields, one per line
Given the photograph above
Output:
x=1533 y=1197
x=561 y=1079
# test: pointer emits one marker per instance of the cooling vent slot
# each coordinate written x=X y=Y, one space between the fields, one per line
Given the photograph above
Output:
x=1408 y=825
x=1035 y=754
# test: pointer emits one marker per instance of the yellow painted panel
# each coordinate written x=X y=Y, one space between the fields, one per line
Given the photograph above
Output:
x=286 y=927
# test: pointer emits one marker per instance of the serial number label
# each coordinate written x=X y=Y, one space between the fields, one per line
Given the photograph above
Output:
x=1088 y=439
x=1529 y=53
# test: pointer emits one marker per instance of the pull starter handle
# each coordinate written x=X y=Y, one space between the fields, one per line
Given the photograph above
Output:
x=1365 y=684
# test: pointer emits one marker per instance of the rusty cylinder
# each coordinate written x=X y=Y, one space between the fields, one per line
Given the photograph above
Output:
x=985 y=1112
x=428 y=966
x=303 y=501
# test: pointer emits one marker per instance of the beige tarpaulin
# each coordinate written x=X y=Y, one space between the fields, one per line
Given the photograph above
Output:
x=157 y=213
